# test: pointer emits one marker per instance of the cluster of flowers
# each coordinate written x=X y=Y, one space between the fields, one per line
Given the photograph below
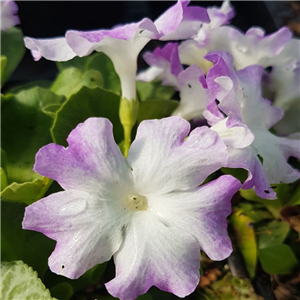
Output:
x=151 y=210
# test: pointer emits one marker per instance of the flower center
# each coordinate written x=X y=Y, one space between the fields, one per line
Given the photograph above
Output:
x=136 y=202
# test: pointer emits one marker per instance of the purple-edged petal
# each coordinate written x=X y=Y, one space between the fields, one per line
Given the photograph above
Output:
x=191 y=84
x=91 y=162
x=239 y=92
x=88 y=229
x=55 y=49
x=9 y=17
x=194 y=97
x=275 y=152
x=160 y=145
x=166 y=60
x=247 y=159
x=220 y=16
x=154 y=254
x=203 y=211
x=180 y=21
x=247 y=49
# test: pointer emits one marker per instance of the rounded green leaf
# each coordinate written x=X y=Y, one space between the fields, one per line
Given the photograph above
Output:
x=71 y=80
x=104 y=65
x=272 y=233
x=12 y=46
x=83 y=105
x=19 y=281
x=17 y=244
x=27 y=192
x=25 y=129
x=277 y=259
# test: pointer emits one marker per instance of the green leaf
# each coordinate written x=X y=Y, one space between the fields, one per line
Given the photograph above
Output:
x=154 y=90
x=272 y=233
x=240 y=174
x=5 y=98
x=19 y=281
x=62 y=291
x=3 y=65
x=272 y=205
x=104 y=65
x=98 y=62
x=29 y=85
x=12 y=46
x=27 y=192
x=76 y=62
x=25 y=129
x=85 y=104
x=17 y=244
x=295 y=198
x=245 y=237
x=156 y=109
x=71 y=80
x=277 y=259
x=286 y=194
x=255 y=212
x=3 y=179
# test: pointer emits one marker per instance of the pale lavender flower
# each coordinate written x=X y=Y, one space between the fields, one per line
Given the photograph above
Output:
x=9 y=17
x=250 y=48
x=147 y=211
x=166 y=66
x=246 y=128
x=283 y=83
x=122 y=44
x=193 y=50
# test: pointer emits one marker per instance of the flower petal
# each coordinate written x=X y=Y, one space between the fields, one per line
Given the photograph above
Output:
x=194 y=97
x=155 y=254
x=234 y=133
x=275 y=151
x=9 y=17
x=55 y=49
x=247 y=159
x=92 y=162
x=88 y=229
x=203 y=211
x=163 y=160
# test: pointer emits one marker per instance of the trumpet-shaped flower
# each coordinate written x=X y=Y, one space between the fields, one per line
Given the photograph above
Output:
x=122 y=44
x=166 y=66
x=253 y=47
x=147 y=211
x=9 y=17
x=245 y=129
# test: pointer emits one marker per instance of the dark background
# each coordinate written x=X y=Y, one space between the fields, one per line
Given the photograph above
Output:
x=45 y=19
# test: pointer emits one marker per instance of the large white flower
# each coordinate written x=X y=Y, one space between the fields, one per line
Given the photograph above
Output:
x=148 y=211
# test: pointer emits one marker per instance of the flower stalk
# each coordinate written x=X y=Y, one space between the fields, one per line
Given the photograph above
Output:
x=128 y=112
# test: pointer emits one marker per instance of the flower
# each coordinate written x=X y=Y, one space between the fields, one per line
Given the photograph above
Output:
x=148 y=211
x=283 y=83
x=166 y=66
x=245 y=128
x=9 y=18
x=122 y=44
x=253 y=47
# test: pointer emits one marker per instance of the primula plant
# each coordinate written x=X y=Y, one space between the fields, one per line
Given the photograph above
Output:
x=117 y=182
